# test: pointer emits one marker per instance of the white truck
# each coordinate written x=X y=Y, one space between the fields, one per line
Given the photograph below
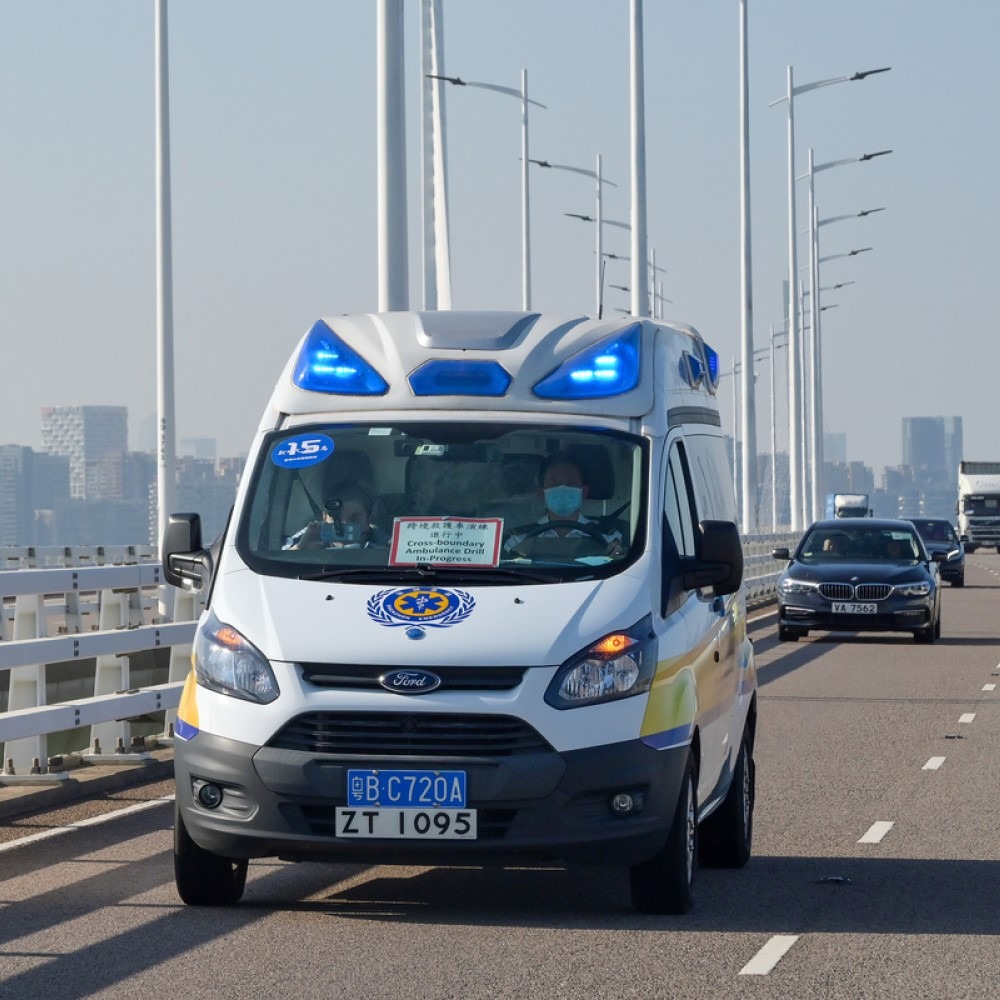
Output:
x=979 y=504
x=847 y=505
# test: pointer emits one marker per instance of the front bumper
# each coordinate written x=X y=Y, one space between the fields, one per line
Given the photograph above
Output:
x=538 y=806
x=895 y=617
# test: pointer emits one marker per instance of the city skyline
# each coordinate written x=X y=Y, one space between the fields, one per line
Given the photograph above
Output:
x=273 y=171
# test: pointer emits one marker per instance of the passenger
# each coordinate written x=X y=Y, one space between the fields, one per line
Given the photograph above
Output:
x=345 y=522
x=564 y=489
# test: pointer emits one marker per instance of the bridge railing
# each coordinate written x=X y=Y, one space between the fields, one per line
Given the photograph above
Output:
x=110 y=607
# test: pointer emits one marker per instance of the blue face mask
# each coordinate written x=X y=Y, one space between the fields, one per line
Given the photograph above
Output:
x=563 y=500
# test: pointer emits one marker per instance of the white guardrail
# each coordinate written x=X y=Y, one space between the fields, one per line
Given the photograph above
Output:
x=108 y=604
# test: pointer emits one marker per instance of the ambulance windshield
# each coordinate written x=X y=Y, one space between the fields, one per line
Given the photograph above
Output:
x=490 y=502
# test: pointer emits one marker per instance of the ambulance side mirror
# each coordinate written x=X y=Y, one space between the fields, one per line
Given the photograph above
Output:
x=719 y=562
x=186 y=563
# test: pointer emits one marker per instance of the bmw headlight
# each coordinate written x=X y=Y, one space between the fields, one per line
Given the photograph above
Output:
x=226 y=662
x=619 y=665
x=913 y=589
x=792 y=586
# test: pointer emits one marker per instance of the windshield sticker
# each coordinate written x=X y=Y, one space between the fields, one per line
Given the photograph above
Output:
x=446 y=541
x=302 y=450
x=424 y=606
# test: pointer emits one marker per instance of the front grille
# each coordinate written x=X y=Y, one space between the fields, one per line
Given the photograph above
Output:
x=365 y=676
x=861 y=592
x=401 y=733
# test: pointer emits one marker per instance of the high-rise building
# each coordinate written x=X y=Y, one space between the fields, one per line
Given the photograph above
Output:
x=88 y=436
x=932 y=443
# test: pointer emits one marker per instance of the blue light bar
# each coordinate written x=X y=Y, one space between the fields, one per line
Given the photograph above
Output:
x=712 y=359
x=608 y=368
x=443 y=377
x=692 y=370
x=326 y=364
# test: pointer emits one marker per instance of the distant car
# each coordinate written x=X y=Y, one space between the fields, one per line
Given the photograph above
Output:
x=938 y=535
x=863 y=575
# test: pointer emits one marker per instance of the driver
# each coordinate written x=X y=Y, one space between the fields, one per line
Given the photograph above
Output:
x=564 y=489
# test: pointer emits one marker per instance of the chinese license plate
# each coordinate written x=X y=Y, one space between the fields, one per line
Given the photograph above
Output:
x=406 y=789
x=406 y=804
x=854 y=608
x=418 y=824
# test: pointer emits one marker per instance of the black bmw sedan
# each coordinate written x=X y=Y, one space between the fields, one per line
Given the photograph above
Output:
x=860 y=575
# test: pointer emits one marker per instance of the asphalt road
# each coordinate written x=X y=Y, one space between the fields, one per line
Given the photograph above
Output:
x=875 y=871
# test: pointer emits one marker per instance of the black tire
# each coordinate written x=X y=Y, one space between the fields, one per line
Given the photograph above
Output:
x=665 y=883
x=725 y=839
x=785 y=634
x=926 y=635
x=937 y=626
x=959 y=581
x=205 y=879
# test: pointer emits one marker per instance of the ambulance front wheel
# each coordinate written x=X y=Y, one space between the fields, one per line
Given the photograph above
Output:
x=725 y=839
x=665 y=883
x=203 y=878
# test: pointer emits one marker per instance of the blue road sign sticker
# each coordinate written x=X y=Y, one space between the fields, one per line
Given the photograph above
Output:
x=302 y=450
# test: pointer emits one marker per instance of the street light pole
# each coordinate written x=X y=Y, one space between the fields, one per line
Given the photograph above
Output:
x=522 y=96
x=639 y=282
x=795 y=444
x=599 y=181
x=749 y=415
x=815 y=417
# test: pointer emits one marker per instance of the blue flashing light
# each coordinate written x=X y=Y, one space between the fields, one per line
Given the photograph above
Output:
x=326 y=364
x=692 y=369
x=714 y=369
x=445 y=377
x=608 y=368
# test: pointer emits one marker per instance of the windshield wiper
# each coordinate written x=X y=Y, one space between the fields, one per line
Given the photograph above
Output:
x=388 y=574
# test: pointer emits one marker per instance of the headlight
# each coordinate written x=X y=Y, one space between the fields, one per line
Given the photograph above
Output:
x=913 y=589
x=620 y=665
x=226 y=662
x=954 y=554
x=790 y=586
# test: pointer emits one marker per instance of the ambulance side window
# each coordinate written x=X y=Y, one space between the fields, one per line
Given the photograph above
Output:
x=677 y=502
x=678 y=529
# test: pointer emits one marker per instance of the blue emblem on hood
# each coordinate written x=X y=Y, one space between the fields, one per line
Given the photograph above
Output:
x=410 y=681
x=427 y=607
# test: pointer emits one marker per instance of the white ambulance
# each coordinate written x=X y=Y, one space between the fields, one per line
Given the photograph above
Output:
x=479 y=602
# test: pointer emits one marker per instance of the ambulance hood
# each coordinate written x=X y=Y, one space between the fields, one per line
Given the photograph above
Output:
x=426 y=624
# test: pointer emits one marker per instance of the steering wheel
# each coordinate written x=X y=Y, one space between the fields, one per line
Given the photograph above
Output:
x=534 y=530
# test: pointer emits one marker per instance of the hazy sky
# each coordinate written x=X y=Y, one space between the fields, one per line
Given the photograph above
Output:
x=274 y=195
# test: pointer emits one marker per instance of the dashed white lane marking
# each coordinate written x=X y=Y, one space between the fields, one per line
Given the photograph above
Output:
x=57 y=831
x=933 y=764
x=769 y=956
x=876 y=832
x=967 y=717
x=989 y=687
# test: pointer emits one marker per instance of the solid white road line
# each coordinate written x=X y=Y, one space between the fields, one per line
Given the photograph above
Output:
x=876 y=832
x=769 y=956
x=933 y=764
x=93 y=821
x=967 y=717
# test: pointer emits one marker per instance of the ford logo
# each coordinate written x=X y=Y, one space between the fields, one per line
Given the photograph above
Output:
x=410 y=681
